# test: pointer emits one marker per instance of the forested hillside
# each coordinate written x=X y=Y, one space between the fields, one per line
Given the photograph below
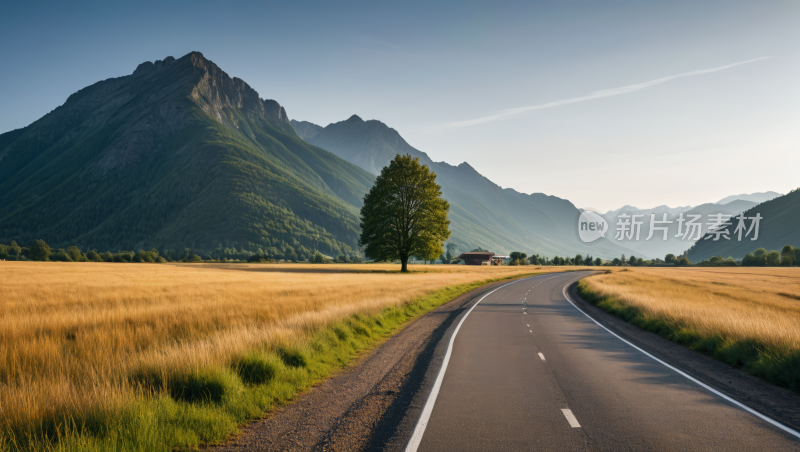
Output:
x=777 y=228
x=177 y=154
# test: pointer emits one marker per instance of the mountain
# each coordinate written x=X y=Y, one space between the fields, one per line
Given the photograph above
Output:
x=481 y=212
x=656 y=246
x=177 y=154
x=656 y=210
x=778 y=227
x=753 y=197
x=368 y=144
x=305 y=129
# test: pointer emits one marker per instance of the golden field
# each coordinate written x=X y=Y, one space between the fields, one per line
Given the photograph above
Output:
x=71 y=334
x=747 y=316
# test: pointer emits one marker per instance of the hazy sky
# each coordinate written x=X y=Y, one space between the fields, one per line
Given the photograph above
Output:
x=604 y=103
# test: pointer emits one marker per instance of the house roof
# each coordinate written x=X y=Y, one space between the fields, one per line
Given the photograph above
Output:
x=484 y=256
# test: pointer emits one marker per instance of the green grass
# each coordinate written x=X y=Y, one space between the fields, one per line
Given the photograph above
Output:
x=775 y=366
x=208 y=405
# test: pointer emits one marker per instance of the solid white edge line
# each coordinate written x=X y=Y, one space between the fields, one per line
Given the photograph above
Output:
x=422 y=423
x=680 y=372
x=570 y=418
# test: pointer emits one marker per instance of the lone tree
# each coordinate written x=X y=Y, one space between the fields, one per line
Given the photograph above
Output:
x=404 y=213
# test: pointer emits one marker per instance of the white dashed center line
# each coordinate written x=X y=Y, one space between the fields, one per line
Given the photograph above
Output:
x=542 y=356
x=570 y=418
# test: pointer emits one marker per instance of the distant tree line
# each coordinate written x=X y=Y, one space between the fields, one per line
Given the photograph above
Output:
x=787 y=257
x=520 y=258
x=39 y=250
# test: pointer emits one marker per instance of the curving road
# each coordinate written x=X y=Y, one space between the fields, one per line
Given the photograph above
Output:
x=528 y=371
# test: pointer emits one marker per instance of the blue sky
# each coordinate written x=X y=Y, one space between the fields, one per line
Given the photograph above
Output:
x=603 y=103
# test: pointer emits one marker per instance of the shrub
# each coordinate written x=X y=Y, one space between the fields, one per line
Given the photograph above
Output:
x=256 y=368
x=205 y=385
x=144 y=256
x=292 y=356
x=39 y=250
x=93 y=256
x=60 y=256
x=75 y=254
x=318 y=258
x=788 y=255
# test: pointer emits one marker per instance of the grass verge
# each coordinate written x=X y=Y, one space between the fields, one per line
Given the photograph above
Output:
x=206 y=405
x=774 y=363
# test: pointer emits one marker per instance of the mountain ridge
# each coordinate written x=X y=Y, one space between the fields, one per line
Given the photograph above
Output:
x=176 y=154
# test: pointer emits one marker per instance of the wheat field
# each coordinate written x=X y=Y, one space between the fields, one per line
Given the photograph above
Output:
x=71 y=334
x=748 y=317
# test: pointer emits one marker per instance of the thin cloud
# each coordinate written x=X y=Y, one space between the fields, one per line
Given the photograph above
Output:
x=503 y=114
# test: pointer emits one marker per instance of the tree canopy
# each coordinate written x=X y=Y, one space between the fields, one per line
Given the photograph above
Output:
x=404 y=213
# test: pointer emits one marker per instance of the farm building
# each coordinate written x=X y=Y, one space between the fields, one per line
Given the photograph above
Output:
x=479 y=259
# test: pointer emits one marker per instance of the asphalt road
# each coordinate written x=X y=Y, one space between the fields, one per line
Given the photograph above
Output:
x=528 y=371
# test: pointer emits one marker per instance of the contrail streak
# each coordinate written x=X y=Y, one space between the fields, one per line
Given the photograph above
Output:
x=595 y=95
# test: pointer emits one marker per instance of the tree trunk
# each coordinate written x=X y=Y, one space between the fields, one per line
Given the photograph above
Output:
x=404 y=262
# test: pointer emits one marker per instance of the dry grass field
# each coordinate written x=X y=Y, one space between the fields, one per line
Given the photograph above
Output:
x=73 y=335
x=748 y=317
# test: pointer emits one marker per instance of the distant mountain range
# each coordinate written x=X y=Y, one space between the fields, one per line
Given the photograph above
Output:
x=177 y=154
x=754 y=197
x=482 y=213
x=656 y=247
x=676 y=243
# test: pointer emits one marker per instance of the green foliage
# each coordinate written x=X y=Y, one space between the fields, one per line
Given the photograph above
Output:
x=75 y=254
x=205 y=385
x=788 y=255
x=773 y=259
x=517 y=258
x=61 y=255
x=39 y=250
x=717 y=261
x=669 y=258
x=257 y=368
x=404 y=214
x=763 y=258
x=318 y=258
